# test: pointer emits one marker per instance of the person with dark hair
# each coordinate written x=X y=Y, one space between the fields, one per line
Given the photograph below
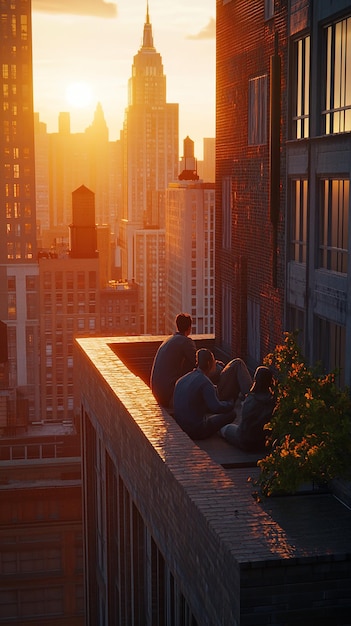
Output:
x=197 y=408
x=256 y=411
x=175 y=357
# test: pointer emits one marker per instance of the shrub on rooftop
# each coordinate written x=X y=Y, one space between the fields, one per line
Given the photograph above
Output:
x=309 y=434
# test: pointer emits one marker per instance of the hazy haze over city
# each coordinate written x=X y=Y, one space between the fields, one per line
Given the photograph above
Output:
x=83 y=53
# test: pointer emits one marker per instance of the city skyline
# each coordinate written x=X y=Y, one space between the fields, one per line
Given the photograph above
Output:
x=100 y=41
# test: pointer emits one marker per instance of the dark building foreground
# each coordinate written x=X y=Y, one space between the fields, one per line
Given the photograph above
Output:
x=41 y=547
x=173 y=534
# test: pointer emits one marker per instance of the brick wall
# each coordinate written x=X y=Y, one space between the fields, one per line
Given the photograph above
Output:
x=254 y=265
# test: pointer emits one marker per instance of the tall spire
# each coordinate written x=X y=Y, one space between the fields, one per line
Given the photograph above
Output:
x=147 y=38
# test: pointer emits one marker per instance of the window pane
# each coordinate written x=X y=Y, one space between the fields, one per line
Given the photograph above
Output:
x=299 y=220
x=337 y=111
x=257 y=114
x=302 y=96
x=334 y=225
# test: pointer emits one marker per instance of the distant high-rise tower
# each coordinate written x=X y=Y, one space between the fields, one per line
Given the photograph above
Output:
x=189 y=247
x=18 y=266
x=150 y=154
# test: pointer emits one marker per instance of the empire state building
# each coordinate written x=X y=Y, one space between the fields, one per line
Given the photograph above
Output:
x=150 y=142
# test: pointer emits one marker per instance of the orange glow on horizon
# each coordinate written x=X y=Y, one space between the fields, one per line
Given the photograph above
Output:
x=97 y=51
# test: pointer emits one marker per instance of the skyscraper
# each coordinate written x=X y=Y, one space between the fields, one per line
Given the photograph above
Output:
x=18 y=266
x=150 y=162
x=189 y=247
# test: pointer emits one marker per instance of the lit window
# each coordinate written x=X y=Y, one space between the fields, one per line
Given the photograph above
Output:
x=337 y=112
x=24 y=27
x=28 y=250
x=11 y=306
x=299 y=220
x=302 y=85
x=333 y=249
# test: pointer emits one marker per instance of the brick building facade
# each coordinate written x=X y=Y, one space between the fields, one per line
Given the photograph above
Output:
x=283 y=157
x=250 y=225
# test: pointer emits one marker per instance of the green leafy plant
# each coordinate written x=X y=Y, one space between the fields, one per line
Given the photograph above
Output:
x=309 y=433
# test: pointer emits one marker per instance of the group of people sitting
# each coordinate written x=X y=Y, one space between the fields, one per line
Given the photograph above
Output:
x=201 y=392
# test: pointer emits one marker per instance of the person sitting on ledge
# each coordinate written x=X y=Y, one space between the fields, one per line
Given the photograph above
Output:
x=175 y=357
x=233 y=381
x=197 y=408
x=256 y=411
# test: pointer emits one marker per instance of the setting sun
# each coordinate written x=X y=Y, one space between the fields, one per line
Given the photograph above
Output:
x=79 y=95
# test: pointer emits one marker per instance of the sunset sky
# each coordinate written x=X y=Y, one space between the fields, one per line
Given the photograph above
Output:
x=93 y=42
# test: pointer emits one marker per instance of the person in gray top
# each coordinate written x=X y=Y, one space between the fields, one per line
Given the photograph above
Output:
x=197 y=408
x=175 y=357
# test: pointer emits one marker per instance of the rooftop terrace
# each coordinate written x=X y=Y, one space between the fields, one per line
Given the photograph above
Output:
x=235 y=558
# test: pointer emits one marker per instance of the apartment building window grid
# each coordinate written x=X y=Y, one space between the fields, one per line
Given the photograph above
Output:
x=257 y=114
x=337 y=110
x=334 y=224
x=301 y=116
x=299 y=212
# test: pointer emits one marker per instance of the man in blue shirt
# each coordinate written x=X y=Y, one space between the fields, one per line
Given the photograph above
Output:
x=197 y=409
x=175 y=357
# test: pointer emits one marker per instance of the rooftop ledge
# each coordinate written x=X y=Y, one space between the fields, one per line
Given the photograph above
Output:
x=289 y=529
